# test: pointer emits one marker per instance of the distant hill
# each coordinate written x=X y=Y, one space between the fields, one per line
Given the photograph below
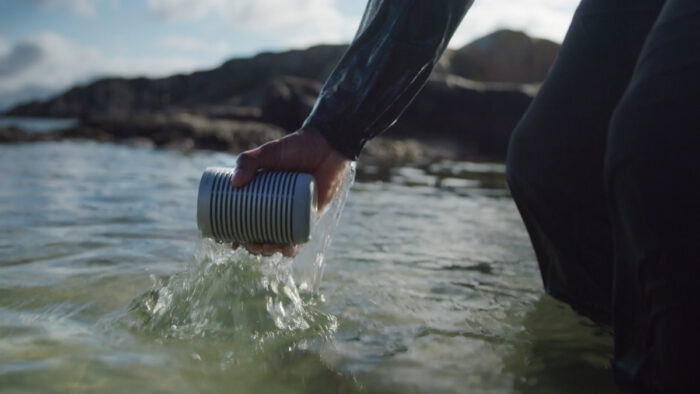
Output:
x=503 y=56
x=234 y=83
x=460 y=103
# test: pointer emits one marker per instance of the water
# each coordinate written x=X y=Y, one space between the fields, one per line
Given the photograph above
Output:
x=37 y=125
x=430 y=285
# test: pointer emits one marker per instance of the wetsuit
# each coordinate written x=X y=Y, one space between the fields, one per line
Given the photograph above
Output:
x=604 y=166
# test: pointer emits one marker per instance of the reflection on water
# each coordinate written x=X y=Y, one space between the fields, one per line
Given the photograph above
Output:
x=430 y=286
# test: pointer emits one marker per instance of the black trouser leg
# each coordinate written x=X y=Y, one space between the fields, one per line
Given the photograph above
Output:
x=557 y=152
x=653 y=178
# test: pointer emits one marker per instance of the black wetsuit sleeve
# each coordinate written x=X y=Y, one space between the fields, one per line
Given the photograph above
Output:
x=396 y=47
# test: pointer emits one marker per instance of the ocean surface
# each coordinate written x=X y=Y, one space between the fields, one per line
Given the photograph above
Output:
x=37 y=125
x=429 y=285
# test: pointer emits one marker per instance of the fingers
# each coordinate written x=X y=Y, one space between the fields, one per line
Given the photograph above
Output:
x=248 y=163
x=254 y=248
x=246 y=166
x=290 y=250
x=270 y=249
x=305 y=151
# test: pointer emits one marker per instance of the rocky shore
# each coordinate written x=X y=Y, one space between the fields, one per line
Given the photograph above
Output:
x=186 y=132
x=246 y=102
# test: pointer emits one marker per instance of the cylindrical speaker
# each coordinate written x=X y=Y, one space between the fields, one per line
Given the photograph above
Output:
x=275 y=207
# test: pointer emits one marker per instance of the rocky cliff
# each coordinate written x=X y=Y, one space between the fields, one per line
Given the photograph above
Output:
x=503 y=56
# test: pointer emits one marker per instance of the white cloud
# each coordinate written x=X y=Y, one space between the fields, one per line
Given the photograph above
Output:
x=4 y=46
x=305 y=22
x=292 y=22
x=48 y=62
x=540 y=18
x=191 y=44
x=61 y=63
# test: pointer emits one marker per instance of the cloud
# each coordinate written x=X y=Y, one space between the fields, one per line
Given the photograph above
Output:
x=305 y=22
x=191 y=44
x=540 y=18
x=291 y=22
x=49 y=62
x=84 y=8
x=4 y=46
x=20 y=57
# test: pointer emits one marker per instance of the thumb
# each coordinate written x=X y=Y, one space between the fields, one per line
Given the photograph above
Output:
x=249 y=162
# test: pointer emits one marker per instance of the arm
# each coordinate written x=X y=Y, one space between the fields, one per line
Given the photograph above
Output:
x=394 y=51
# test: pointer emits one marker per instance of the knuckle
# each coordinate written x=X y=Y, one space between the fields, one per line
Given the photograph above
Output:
x=271 y=154
x=245 y=160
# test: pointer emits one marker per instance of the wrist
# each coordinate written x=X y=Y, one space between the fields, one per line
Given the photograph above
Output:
x=320 y=142
x=335 y=136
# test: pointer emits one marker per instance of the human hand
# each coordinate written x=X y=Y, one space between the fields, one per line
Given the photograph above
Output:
x=303 y=151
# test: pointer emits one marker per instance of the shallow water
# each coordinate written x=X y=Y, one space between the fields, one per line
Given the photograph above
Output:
x=430 y=285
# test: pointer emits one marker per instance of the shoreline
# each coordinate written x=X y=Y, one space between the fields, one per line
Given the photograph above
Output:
x=188 y=132
x=380 y=160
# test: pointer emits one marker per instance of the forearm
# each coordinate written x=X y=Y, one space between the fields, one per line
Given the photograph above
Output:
x=395 y=49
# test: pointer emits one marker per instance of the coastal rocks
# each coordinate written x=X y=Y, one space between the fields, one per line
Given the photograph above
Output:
x=451 y=115
x=187 y=131
x=232 y=84
x=245 y=102
x=178 y=131
x=503 y=56
x=475 y=117
x=284 y=101
x=13 y=134
x=386 y=152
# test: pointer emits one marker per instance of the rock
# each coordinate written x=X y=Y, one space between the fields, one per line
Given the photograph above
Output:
x=248 y=101
x=284 y=101
x=477 y=118
x=503 y=56
x=12 y=134
x=227 y=85
x=143 y=142
x=452 y=115
x=177 y=131
x=186 y=131
x=253 y=82
x=386 y=152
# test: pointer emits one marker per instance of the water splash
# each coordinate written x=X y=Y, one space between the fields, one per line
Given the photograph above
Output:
x=237 y=296
x=309 y=263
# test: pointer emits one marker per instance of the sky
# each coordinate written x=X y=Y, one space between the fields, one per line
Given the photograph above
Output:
x=47 y=46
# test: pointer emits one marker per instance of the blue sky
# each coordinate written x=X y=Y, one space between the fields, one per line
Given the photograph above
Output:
x=49 y=45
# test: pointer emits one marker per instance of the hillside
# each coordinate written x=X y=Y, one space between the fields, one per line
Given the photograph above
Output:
x=464 y=101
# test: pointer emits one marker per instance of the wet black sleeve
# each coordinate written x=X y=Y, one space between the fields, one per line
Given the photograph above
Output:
x=394 y=51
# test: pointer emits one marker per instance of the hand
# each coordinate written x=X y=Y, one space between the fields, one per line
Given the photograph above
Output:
x=304 y=151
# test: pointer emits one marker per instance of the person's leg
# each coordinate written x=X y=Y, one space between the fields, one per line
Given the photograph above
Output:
x=556 y=153
x=653 y=180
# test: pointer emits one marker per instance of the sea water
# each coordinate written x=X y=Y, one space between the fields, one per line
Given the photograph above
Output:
x=429 y=285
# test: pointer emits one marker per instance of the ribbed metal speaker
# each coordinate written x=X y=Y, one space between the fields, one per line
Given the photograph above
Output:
x=275 y=207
